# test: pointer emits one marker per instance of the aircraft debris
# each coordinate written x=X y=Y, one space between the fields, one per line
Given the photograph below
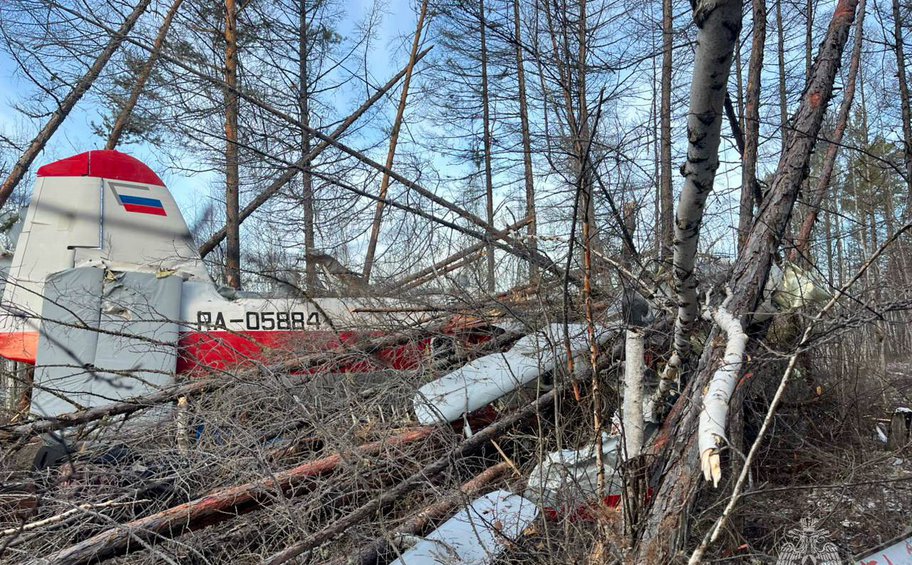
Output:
x=486 y=379
x=477 y=534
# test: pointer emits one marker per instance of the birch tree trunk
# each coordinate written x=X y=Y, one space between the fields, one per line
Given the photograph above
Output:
x=232 y=175
x=394 y=141
x=126 y=112
x=677 y=465
x=719 y=23
x=69 y=102
x=634 y=366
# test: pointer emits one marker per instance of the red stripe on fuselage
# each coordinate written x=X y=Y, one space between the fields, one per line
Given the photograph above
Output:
x=145 y=209
x=224 y=350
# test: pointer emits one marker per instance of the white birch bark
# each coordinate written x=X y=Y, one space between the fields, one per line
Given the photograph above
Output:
x=714 y=415
x=632 y=408
x=719 y=23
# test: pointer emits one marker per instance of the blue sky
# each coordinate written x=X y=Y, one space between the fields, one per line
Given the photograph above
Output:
x=76 y=136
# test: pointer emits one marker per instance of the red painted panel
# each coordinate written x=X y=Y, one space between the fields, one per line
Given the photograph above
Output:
x=21 y=347
x=145 y=209
x=223 y=350
x=112 y=165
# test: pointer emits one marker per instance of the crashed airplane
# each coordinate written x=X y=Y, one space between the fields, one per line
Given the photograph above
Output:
x=106 y=281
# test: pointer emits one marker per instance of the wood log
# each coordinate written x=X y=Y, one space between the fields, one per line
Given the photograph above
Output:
x=216 y=506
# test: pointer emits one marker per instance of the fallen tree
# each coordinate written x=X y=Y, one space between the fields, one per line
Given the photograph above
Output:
x=677 y=468
x=215 y=506
x=433 y=469
x=322 y=360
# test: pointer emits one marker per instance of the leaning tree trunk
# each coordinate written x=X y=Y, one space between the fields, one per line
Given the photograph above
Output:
x=123 y=118
x=719 y=24
x=394 y=141
x=803 y=242
x=66 y=106
x=677 y=467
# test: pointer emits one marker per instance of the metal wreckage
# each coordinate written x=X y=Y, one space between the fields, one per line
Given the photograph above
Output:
x=109 y=309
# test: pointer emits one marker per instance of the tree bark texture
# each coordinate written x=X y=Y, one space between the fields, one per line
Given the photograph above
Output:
x=719 y=24
x=232 y=166
x=678 y=468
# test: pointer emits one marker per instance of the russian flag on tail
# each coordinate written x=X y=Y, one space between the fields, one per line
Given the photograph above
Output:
x=138 y=204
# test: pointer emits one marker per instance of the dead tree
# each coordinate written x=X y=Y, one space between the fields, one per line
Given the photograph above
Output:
x=66 y=106
x=123 y=118
x=394 y=140
x=678 y=466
